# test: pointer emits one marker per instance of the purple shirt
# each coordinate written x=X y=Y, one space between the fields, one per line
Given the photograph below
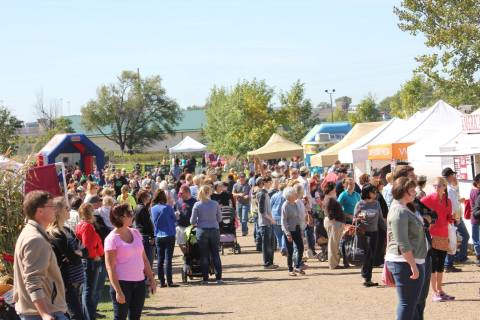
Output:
x=129 y=265
x=473 y=198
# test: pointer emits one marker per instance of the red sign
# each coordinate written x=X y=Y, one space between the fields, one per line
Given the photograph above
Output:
x=471 y=123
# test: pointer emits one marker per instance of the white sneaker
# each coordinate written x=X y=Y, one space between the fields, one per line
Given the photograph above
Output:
x=310 y=254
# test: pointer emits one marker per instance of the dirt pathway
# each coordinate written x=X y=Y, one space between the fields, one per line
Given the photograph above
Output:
x=250 y=292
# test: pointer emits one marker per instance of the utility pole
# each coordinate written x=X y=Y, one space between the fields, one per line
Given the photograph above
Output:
x=330 y=92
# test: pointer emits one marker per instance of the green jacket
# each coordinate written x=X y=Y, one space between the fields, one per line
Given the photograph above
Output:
x=405 y=232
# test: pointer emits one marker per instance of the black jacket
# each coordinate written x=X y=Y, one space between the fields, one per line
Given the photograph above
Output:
x=143 y=221
x=64 y=245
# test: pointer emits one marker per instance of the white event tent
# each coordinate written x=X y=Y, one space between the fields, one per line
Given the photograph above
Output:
x=440 y=125
x=188 y=145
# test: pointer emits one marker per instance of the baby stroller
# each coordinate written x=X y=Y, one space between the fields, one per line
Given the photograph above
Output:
x=228 y=237
x=321 y=235
x=191 y=265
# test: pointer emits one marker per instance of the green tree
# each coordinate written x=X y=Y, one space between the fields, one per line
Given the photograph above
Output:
x=452 y=35
x=366 y=111
x=137 y=110
x=295 y=112
x=323 y=105
x=239 y=119
x=8 y=127
x=339 y=115
x=415 y=94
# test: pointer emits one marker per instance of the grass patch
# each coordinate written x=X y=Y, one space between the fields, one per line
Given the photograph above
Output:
x=105 y=306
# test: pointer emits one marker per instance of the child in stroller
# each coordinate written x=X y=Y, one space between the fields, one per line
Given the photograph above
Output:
x=228 y=237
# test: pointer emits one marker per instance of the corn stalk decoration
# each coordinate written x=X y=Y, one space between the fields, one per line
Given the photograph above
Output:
x=12 y=219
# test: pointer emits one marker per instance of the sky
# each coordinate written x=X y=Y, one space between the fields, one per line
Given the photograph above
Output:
x=66 y=49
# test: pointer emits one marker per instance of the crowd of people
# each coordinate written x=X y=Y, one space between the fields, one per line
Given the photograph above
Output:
x=117 y=226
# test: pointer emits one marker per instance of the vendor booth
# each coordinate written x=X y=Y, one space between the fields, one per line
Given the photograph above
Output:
x=188 y=145
x=357 y=152
x=408 y=140
x=329 y=156
x=462 y=154
x=277 y=147
x=72 y=148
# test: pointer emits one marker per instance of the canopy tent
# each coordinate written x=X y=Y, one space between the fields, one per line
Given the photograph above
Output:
x=277 y=147
x=440 y=126
x=72 y=143
x=329 y=156
x=188 y=145
x=357 y=151
x=462 y=145
x=476 y=111
x=9 y=164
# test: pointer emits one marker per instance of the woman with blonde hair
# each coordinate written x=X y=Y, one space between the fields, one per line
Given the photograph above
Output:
x=67 y=251
x=206 y=216
x=438 y=201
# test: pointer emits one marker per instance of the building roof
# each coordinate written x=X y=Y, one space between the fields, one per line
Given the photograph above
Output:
x=192 y=120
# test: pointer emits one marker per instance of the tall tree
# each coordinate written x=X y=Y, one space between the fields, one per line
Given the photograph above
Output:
x=8 y=127
x=366 y=111
x=239 y=119
x=136 y=110
x=295 y=113
x=452 y=35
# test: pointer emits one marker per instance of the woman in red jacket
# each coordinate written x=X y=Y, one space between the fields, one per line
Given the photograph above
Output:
x=85 y=231
x=438 y=201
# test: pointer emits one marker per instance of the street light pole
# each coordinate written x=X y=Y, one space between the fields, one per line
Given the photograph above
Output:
x=330 y=92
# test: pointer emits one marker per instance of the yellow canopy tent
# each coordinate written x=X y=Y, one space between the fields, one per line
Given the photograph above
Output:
x=277 y=147
x=329 y=156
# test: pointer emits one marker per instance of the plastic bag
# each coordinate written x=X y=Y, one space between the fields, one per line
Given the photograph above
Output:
x=452 y=239
x=387 y=276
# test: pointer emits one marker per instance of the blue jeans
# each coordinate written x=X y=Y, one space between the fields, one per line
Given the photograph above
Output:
x=408 y=290
x=266 y=233
x=426 y=286
x=277 y=230
x=461 y=254
x=73 y=294
x=297 y=239
x=310 y=235
x=149 y=249
x=476 y=238
x=134 y=292
x=102 y=275
x=242 y=212
x=165 y=247
x=57 y=315
x=209 y=242
x=89 y=296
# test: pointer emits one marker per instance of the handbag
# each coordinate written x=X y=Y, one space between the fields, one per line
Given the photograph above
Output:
x=387 y=276
x=440 y=243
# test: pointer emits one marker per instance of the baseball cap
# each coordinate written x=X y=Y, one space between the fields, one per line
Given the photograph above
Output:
x=422 y=179
x=303 y=169
x=447 y=172
x=241 y=175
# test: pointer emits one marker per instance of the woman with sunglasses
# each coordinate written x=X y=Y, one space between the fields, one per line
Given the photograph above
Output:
x=127 y=265
x=438 y=201
x=369 y=214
